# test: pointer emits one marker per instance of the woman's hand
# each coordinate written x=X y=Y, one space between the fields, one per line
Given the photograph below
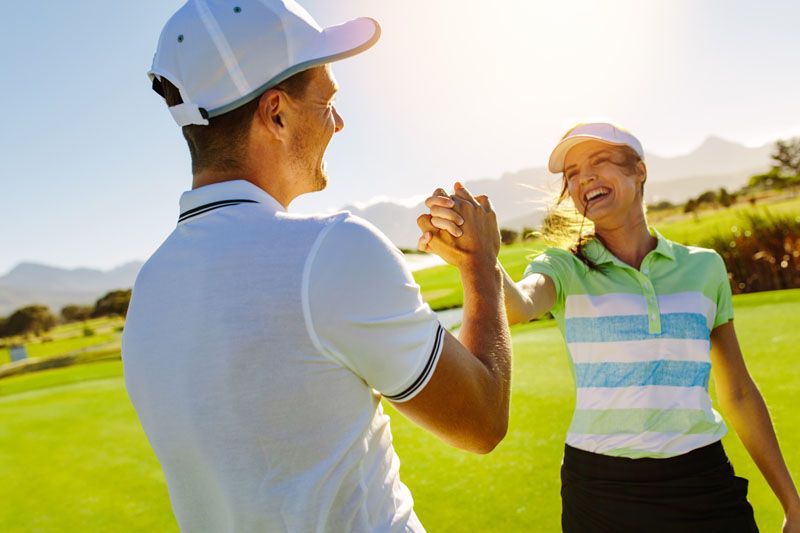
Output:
x=443 y=213
x=473 y=242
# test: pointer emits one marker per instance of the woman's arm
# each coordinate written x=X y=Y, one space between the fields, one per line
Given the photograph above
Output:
x=530 y=298
x=744 y=407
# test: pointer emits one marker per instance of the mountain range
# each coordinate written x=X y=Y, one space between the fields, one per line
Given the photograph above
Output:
x=32 y=283
x=520 y=199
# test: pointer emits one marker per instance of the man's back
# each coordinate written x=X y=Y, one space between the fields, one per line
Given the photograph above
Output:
x=257 y=412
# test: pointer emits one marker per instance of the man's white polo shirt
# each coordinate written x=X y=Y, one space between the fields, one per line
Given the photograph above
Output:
x=254 y=346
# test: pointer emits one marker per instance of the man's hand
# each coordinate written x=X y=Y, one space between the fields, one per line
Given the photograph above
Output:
x=475 y=241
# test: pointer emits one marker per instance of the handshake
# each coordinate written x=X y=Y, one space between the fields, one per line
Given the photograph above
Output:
x=460 y=228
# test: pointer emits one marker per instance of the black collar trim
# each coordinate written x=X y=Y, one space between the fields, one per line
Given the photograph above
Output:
x=186 y=215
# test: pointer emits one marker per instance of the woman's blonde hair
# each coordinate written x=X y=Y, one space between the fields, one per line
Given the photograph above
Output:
x=566 y=227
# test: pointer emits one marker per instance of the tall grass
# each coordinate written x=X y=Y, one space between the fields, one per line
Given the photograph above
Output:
x=761 y=254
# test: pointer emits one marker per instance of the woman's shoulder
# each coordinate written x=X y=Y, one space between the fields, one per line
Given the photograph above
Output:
x=557 y=255
x=695 y=260
x=695 y=253
x=554 y=261
x=555 y=251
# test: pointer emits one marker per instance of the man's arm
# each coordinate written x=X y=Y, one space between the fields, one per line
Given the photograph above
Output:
x=466 y=401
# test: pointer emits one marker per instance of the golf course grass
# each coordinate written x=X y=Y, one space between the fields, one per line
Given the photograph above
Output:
x=74 y=458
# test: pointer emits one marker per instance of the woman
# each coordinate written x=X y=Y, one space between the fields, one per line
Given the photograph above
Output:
x=646 y=320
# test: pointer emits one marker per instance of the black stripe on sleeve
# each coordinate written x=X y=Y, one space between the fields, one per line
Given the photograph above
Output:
x=210 y=207
x=425 y=371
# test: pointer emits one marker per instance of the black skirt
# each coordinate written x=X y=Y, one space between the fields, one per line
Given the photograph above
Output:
x=694 y=492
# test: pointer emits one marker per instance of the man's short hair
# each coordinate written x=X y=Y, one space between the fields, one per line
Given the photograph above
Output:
x=222 y=144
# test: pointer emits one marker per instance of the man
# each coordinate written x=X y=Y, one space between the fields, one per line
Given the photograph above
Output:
x=258 y=343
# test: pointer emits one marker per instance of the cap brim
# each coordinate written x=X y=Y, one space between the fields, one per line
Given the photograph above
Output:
x=559 y=154
x=335 y=43
x=345 y=40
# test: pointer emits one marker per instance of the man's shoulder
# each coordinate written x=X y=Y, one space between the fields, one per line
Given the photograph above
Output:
x=338 y=229
x=352 y=244
x=342 y=224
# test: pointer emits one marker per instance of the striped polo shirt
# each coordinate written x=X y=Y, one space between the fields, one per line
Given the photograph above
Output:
x=639 y=346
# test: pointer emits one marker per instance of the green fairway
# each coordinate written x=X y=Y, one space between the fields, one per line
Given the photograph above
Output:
x=74 y=457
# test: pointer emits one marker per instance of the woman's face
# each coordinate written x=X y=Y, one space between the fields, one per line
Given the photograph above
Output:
x=600 y=184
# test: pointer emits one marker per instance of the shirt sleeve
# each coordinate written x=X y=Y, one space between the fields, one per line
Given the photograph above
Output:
x=365 y=311
x=556 y=264
x=724 y=296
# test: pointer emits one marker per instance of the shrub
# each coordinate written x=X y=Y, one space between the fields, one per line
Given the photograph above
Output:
x=725 y=198
x=761 y=255
x=508 y=236
x=34 y=319
x=708 y=197
x=115 y=303
x=88 y=332
x=660 y=206
x=76 y=313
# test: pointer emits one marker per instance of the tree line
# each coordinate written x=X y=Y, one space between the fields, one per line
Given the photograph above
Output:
x=38 y=319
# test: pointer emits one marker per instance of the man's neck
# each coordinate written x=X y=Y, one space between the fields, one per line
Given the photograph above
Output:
x=277 y=187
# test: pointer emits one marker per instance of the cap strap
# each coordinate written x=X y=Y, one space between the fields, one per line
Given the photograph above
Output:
x=186 y=114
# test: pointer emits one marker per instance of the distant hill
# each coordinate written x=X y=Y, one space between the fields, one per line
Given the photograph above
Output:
x=715 y=157
x=519 y=198
x=30 y=283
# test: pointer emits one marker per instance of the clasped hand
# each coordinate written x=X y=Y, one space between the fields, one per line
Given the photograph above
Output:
x=461 y=229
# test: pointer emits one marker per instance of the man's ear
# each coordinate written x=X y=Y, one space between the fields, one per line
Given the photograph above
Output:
x=271 y=112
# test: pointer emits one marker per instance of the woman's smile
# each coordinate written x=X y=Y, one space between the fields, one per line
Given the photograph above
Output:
x=596 y=194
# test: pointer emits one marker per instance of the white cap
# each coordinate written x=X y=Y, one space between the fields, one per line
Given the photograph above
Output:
x=222 y=54
x=593 y=131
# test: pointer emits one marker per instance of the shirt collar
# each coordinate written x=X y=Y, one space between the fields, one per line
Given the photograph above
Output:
x=227 y=191
x=599 y=254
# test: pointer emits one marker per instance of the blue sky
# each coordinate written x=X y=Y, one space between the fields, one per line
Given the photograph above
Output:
x=92 y=166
